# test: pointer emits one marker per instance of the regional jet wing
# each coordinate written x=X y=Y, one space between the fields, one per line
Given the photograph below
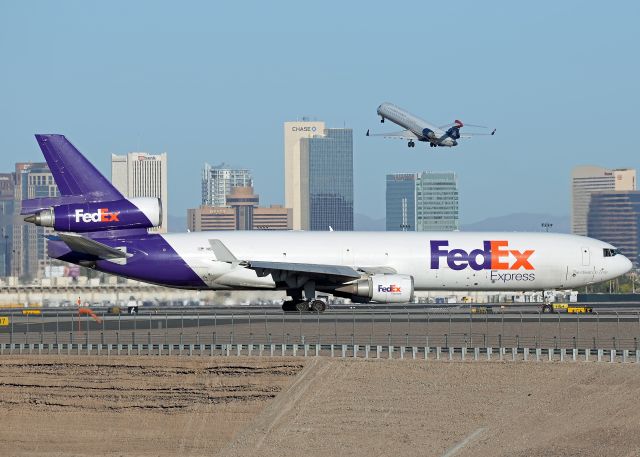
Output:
x=402 y=135
x=472 y=134
x=82 y=245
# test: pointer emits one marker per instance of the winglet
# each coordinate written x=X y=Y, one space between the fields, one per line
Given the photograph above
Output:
x=367 y=132
x=222 y=253
x=493 y=132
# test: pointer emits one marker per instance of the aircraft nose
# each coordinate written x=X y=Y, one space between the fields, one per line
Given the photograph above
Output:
x=625 y=264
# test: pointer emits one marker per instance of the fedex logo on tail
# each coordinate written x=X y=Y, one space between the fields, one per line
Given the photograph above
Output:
x=102 y=215
x=494 y=255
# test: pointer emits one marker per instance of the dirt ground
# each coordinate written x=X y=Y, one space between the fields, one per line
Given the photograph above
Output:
x=316 y=407
x=132 y=406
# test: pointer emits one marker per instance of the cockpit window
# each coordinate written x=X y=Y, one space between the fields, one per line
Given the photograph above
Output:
x=610 y=252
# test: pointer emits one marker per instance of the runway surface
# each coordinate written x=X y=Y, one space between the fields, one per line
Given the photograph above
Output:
x=409 y=326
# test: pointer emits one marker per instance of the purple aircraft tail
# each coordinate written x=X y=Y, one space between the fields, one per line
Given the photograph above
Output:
x=89 y=203
x=73 y=173
x=77 y=179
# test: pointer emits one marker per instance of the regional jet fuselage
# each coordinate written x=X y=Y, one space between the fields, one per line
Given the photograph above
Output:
x=417 y=129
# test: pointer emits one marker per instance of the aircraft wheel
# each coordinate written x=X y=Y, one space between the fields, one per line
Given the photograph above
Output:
x=382 y=120
x=302 y=306
x=288 y=306
x=318 y=306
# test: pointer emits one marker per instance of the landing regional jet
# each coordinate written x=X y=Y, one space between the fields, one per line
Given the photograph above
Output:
x=417 y=129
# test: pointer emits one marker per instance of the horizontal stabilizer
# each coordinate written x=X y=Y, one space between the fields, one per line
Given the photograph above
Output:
x=82 y=245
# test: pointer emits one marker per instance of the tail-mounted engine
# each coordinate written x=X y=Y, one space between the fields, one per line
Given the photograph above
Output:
x=144 y=212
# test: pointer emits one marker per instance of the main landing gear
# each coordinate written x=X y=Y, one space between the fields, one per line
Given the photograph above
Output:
x=433 y=145
x=411 y=144
x=304 y=306
x=311 y=304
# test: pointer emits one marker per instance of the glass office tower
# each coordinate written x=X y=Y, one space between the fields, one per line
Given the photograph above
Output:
x=401 y=202
x=614 y=217
x=330 y=159
x=437 y=202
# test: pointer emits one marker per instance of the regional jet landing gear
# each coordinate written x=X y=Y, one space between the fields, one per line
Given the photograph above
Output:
x=382 y=120
x=411 y=144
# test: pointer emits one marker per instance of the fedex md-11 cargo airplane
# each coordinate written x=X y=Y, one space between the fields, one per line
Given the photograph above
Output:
x=417 y=129
x=97 y=227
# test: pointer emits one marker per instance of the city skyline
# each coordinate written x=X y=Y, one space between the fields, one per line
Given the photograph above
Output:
x=140 y=174
x=545 y=94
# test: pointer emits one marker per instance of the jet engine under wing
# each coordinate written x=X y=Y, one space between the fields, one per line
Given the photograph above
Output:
x=402 y=135
x=82 y=245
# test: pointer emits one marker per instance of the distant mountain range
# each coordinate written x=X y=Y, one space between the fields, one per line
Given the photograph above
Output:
x=365 y=223
x=516 y=222
x=520 y=222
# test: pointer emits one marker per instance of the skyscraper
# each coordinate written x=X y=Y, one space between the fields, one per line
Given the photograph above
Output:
x=401 y=202
x=217 y=182
x=7 y=205
x=296 y=170
x=138 y=174
x=437 y=202
x=319 y=176
x=588 y=179
x=29 y=257
x=614 y=217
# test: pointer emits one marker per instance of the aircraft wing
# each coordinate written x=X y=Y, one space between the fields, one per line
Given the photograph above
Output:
x=402 y=135
x=472 y=134
x=338 y=273
x=286 y=270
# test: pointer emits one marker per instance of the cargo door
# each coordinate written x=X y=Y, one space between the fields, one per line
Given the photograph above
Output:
x=586 y=256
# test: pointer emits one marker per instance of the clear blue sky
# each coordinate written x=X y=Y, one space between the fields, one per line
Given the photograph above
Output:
x=214 y=81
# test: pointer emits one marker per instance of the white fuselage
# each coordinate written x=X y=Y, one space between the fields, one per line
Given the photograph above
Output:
x=419 y=127
x=436 y=260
